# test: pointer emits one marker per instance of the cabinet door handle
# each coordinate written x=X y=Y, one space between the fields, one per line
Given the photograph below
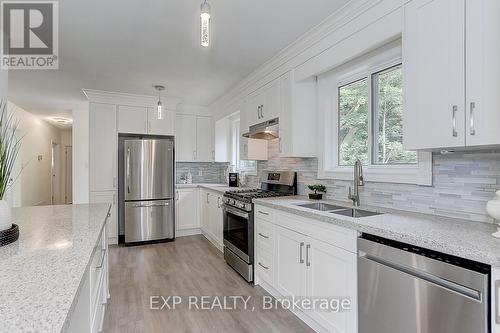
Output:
x=208 y=201
x=263 y=236
x=472 y=125
x=262 y=111
x=258 y=112
x=260 y=264
x=218 y=202
x=102 y=259
x=454 y=120
x=308 y=262
x=301 y=248
x=263 y=213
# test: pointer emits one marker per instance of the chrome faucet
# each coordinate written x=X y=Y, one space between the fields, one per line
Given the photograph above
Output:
x=358 y=181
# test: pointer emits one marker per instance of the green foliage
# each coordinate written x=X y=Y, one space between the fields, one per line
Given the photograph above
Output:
x=388 y=120
x=9 y=147
x=317 y=188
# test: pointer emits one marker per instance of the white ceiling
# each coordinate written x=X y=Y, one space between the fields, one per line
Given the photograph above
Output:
x=129 y=45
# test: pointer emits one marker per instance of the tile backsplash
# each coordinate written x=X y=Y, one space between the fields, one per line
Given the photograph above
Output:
x=462 y=184
x=202 y=172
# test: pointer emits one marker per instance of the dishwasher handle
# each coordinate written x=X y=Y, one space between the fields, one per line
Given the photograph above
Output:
x=422 y=275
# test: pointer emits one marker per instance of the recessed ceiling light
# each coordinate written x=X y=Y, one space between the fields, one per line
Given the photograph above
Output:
x=62 y=120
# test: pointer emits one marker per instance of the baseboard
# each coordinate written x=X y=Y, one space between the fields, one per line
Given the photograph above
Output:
x=187 y=232
x=112 y=240
x=299 y=314
x=212 y=240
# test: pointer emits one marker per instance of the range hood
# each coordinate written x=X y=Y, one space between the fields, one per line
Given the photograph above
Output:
x=268 y=130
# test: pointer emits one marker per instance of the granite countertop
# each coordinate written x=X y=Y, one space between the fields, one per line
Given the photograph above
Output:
x=462 y=238
x=221 y=188
x=41 y=273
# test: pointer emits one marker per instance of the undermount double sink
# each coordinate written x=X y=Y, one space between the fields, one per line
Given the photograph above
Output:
x=340 y=210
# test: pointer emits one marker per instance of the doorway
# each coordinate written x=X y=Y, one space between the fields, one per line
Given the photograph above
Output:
x=68 y=175
x=55 y=170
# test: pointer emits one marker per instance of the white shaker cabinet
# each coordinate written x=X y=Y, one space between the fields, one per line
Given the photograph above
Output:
x=194 y=138
x=186 y=212
x=434 y=86
x=264 y=103
x=451 y=73
x=132 y=119
x=211 y=217
x=482 y=72
x=103 y=147
x=108 y=197
x=164 y=126
x=250 y=149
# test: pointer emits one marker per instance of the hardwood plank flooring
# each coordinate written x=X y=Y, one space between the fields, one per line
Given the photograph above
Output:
x=189 y=266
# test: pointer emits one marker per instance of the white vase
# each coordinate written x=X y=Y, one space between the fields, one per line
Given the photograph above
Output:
x=5 y=216
x=493 y=209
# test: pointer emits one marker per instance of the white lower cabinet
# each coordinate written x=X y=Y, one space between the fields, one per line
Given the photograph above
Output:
x=186 y=212
x=109 y=197
x=309 y=260
x=211 y=216
x=90 y=305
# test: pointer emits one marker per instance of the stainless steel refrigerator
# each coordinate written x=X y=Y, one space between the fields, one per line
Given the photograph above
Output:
x=147 y=189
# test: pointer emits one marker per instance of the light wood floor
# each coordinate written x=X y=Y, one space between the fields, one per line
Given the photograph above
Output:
x=188 y=266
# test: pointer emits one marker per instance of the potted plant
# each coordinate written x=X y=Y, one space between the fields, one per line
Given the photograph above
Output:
x=9 y=151
x=318 y=190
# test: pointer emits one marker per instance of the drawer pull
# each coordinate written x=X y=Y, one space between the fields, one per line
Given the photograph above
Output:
x=260 y=264
x=301 y=248
x=102 y=259
x=263 y=236
x=263 y=213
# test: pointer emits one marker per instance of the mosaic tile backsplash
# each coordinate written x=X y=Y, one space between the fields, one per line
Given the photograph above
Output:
x=202 y=172
x=462 y=184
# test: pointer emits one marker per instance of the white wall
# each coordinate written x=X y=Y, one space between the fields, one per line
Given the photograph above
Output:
x=37 y=137
x=66 y=140
x=80 y=156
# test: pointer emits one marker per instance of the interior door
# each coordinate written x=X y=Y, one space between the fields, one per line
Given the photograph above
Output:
x=290 y=262
x=483 y=72
x=149 y=169
x=331 y=273
x=434 y=72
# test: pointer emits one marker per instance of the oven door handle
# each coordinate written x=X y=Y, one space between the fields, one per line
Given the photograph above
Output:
x=236 y=212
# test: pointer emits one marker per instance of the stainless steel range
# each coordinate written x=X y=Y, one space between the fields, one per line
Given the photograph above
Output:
x=239 y=222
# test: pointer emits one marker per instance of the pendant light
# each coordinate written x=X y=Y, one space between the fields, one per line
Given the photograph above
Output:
x=159 y=113
x=205 y=24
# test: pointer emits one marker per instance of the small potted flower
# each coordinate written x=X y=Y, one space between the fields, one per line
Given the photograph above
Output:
x=318 y=190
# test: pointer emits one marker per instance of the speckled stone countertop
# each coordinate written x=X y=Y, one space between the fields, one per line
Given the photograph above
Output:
x=466 y=239
x=40 y=274
x=221 y=188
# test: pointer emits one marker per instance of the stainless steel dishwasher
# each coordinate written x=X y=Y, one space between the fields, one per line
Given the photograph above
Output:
x=407 y=289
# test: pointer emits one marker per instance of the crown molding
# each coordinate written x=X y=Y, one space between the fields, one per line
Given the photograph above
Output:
x=283 y=61
x=118 y=98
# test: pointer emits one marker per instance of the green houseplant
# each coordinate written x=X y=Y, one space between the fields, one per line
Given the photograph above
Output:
x=318 y=190
x=9 y=151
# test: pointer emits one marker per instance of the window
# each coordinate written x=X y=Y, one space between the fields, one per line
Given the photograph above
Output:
x=387 y=107
x=361 y=105
x=386 y=111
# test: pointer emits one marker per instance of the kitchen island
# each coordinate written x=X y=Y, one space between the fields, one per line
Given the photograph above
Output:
x=55 y=276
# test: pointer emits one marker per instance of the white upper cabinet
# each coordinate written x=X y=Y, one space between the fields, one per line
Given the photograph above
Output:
x=194 y=138
x=185 y=138
x=164 y=126
x=483 y=72
x=264 y=103
x=132 y=119
x=204 y=139
x=451 y=73
x=297 y=117
x=103 y=147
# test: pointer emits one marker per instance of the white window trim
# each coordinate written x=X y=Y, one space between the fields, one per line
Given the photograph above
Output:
x=328 y=85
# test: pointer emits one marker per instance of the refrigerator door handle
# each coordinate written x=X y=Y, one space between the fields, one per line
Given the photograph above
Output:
x=128 y=170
